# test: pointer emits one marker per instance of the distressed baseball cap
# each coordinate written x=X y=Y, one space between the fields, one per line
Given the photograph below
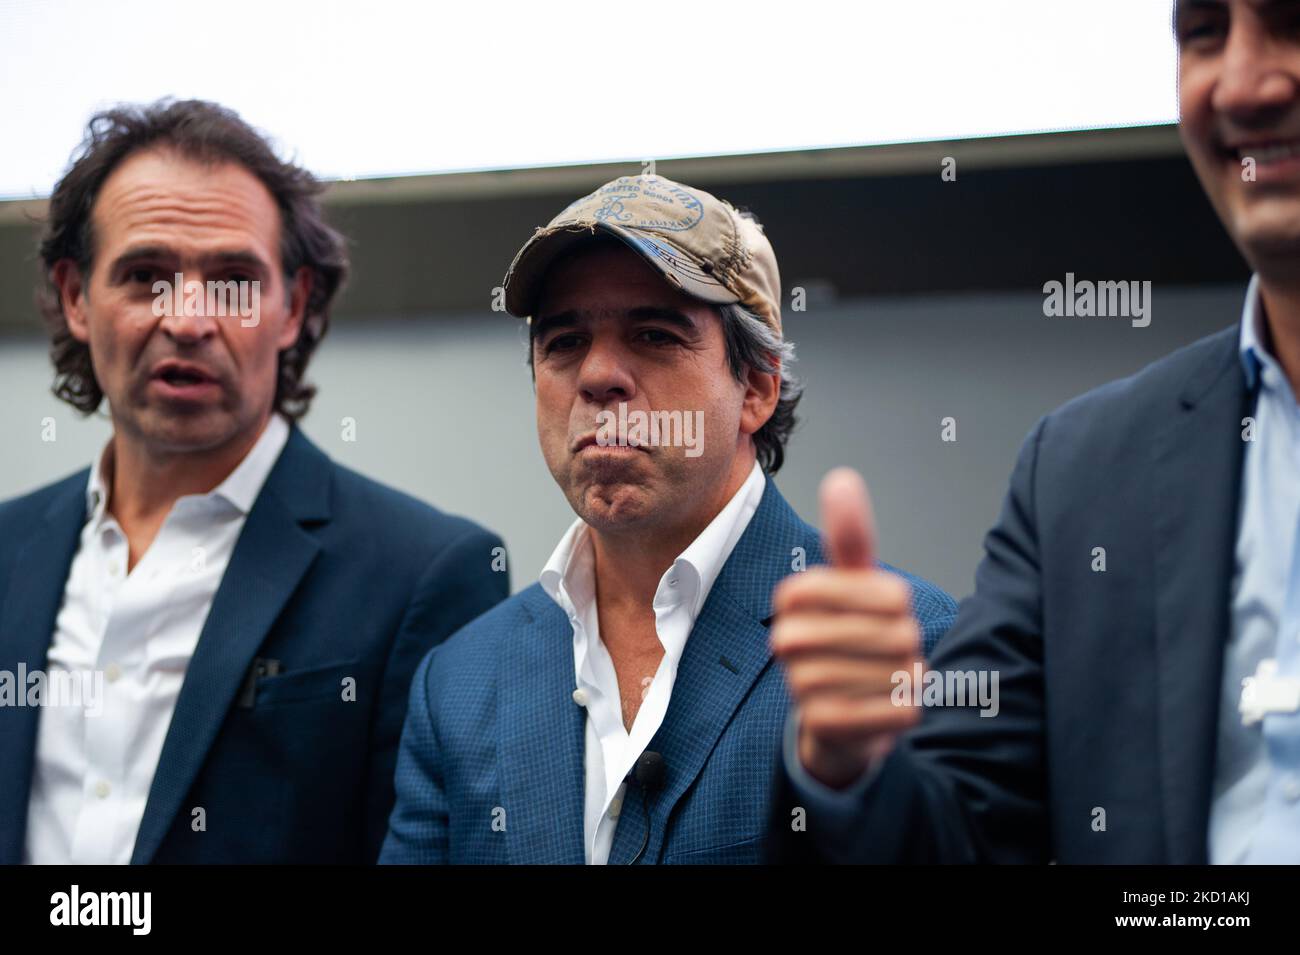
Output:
x=699 y=243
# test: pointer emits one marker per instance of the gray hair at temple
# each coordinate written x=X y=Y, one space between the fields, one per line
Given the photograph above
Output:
x=752 y=343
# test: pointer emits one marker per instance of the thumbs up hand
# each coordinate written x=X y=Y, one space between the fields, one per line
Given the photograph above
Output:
x=850 y=524
x=842 y=632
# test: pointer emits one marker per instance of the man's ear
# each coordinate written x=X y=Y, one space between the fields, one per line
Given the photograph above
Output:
x=72 y=297
x=762 y=392
x=299 y=294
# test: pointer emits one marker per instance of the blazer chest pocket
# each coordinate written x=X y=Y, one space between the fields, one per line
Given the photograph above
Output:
x=743 y=852
x=318 y=684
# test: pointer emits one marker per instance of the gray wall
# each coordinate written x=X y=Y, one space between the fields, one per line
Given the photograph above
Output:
x=444 y=410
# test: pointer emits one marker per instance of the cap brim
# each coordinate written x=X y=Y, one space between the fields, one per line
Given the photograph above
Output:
x=524 y=280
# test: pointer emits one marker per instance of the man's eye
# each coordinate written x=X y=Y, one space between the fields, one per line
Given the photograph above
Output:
x=657 y=336
x=1290 y=25
x=560 y=342
x=1201 y=33
x=140 y=274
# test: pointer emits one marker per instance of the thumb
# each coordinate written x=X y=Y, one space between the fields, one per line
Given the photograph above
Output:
x=848 y=526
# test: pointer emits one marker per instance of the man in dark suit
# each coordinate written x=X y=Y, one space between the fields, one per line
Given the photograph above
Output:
x=625 y=708
x=241 y=615
x=1140 y=595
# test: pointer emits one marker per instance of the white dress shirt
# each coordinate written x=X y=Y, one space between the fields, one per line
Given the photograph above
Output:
x=569 y=578
x=1255 y=793
x=92 y=774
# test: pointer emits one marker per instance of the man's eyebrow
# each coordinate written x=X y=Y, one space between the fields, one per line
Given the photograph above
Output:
x=141 y=252
x=546 y=323
x=245 y=257
x=1185 y=8
x=1267 y=7
x=660 y=313
x=655 y=313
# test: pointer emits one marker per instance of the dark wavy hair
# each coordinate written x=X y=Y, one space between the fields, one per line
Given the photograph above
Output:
x=208 y=133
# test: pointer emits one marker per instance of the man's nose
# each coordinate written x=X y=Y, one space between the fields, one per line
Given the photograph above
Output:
x=605 y=374
x=1256 y=81
x=186 y=328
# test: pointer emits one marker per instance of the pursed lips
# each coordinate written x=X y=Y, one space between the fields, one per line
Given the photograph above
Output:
x=589 y=441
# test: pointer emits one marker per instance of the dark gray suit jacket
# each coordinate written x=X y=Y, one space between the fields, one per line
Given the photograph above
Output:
x=1109 y=681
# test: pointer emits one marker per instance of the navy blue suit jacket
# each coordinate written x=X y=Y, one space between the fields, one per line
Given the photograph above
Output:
x=1109 y=681
x=491 y=766
x=333 y=575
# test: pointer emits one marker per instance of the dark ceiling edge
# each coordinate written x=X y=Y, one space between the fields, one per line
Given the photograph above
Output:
x=1120 y=203
x=844 y=162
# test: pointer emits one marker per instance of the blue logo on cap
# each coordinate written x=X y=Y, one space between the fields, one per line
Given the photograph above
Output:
x=659 y=204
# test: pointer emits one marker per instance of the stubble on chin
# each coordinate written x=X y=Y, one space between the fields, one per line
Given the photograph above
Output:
x=612 y=505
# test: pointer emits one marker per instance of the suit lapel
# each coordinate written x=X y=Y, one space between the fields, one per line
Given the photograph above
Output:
x=1198 y=462
x=726 y=653
x=31 y=606
x=270 y=558
x=541 y=762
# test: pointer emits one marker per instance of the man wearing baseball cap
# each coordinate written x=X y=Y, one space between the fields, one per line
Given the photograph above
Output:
x=625 y=708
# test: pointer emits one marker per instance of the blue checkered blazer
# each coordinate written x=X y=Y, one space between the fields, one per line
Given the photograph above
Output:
x=490 y=768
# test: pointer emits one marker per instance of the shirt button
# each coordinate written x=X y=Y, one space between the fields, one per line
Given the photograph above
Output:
x=112 y=673
x=1291 y=790
x=580 y=696
x=102 y=789
x=115 y=568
